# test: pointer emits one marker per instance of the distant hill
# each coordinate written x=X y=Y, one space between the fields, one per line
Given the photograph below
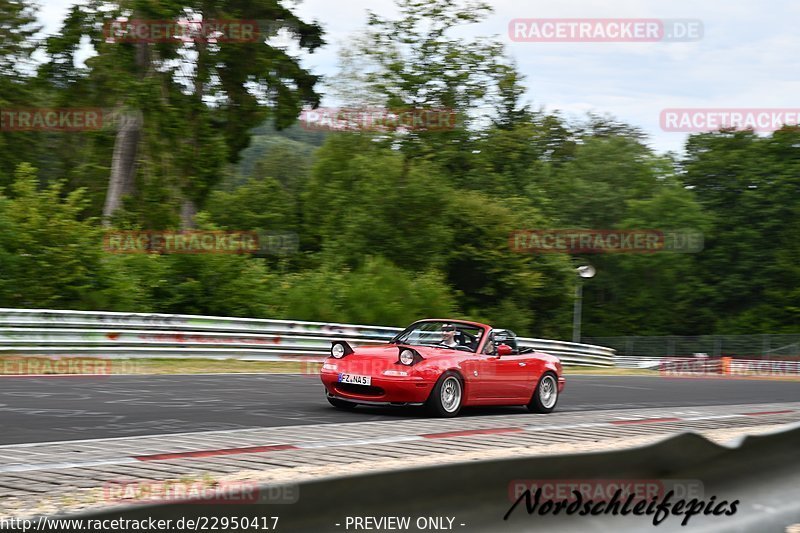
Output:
x=266 y=139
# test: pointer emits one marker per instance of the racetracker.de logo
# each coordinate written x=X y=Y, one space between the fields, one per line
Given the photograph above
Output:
x=708 y=119
x=702 y=366
x=181 y=242
x=161 y=31
x=594 y=241
x=377 y=119
x=40 y=366
x=611 y=30
x=199 y=491
x=604 y=489
x=52 y=119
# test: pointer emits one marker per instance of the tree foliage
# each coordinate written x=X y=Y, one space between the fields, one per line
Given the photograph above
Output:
x=392 y=226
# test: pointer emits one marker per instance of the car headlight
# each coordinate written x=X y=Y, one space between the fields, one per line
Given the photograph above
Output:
x=337 y=350
x=407 y=357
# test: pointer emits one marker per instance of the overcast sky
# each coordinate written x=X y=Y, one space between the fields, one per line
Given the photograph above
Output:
x=749 y=56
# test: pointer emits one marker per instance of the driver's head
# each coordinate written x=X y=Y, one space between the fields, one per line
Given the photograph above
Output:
x=448 y=332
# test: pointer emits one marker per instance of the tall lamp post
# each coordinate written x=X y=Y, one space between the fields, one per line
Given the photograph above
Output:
x=584 y=272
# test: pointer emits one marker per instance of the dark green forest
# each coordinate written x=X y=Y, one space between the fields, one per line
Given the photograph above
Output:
x=393 y=226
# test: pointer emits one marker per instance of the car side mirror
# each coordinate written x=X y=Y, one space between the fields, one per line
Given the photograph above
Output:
x=503 y=349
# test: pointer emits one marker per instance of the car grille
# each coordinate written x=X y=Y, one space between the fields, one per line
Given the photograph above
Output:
x=363 y=390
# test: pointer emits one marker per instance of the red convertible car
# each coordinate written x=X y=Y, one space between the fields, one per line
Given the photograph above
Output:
x=445 y=365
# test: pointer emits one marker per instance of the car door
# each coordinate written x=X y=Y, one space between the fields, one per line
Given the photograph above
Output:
x=503 y=378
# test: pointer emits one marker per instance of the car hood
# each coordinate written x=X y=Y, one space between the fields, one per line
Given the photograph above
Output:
x=392 y=351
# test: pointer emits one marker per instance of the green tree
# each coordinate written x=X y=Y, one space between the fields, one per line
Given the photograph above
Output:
x=728 y=172
x=656 y=293
x=51 y=257
x=605 y=172
x=187 y=108
x=377 y=292
x=414 y=62
x=358 y=202
x=17 y=29
x=259 y=204
x=527 y=293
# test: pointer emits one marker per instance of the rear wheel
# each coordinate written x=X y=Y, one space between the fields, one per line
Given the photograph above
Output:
x=545 y=396
x=446 y=398
x=340 y=404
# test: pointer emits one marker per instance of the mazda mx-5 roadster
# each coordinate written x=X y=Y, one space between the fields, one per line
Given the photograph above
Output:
x=444 y=365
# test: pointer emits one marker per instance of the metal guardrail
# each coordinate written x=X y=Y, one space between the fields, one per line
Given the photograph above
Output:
x=145 y=335
x=651 y=363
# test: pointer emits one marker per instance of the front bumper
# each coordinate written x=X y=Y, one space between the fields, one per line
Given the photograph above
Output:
x=384 y=390
x=561 y=382
x=370 y=402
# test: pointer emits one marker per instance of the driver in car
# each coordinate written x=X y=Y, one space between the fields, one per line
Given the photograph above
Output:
x=449 y=336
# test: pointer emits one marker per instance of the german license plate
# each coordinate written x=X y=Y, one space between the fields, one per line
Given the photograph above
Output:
x=355 y=379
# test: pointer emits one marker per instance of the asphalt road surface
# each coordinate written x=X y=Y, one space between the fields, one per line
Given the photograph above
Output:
x=36 y=409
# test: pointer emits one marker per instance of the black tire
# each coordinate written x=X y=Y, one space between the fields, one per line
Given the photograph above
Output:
x=541 y=401
x=438 y=404
x=340 y=404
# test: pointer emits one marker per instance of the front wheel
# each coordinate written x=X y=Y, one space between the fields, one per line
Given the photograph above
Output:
x=545 y=396
x=446 y=398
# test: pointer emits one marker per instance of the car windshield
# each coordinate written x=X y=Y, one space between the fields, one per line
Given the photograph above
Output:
x=441 y=334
